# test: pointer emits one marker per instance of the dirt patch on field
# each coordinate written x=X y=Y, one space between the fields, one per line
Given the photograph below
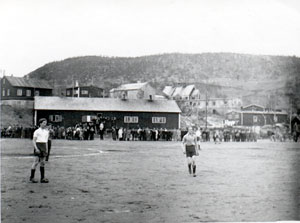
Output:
x=112 y=181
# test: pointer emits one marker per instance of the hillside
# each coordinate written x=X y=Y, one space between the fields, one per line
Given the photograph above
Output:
x=259 y=78
x=12 y=115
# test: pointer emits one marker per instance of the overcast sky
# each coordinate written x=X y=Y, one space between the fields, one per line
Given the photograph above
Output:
x=36 y=32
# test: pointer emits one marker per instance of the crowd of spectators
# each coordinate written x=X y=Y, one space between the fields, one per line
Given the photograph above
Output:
x=90 y=131
x=17 y=131
x=228 y=135
x=146 y=134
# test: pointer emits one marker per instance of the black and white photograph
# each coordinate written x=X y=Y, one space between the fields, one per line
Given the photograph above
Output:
x=159 y=111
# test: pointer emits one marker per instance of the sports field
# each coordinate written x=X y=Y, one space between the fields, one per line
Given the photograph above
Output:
x=113 y=181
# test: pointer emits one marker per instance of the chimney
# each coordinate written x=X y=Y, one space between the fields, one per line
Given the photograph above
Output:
x=150 y=97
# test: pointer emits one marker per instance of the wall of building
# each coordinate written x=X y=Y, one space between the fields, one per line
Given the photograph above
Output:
x=260 y=119
x=71 y=118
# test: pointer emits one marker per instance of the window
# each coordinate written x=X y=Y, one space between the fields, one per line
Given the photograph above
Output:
x=37 y=93
x=84 y=92
x=8 y=92
x=55 y=118
x=131 y=119
x=254 y=118
x=237 y=116
x=68 y=92
x=28 y=93
x=3 y=81
x=88 y=118
x=275 y=118
x=159 y=120
x=3 y=92
x=19 y=92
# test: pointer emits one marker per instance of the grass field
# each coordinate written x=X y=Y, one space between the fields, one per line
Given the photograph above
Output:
x=112 y=181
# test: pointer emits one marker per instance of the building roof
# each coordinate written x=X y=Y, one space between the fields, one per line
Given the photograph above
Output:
x=187 y=91
x=32 y=83
x=181 y=91
x=195 y=92
x=233 y=111
x=105 y=104
x=255 y=105
x=168 y=90
x=177 y=91
x=130 y=87
x=265 y=112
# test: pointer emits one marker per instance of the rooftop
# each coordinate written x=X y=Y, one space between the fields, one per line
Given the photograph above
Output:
x=128 y=87
x=105 y=104
x=24 y=82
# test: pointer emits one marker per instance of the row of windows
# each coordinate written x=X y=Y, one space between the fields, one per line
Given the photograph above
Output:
x=135 y=119
x=211 y=103
x=6 y=92
x=127 y=119
x=83 y=92
x=255 y=118
x=55 y=118
x=186 y=98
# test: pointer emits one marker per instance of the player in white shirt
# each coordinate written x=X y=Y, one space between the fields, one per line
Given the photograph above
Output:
x=40 y=143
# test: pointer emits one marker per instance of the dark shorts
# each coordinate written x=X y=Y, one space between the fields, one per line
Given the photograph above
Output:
x=42 y=148
x=190 y=151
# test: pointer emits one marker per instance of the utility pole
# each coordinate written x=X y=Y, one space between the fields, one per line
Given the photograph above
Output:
x=73 y=86
x=206 y=105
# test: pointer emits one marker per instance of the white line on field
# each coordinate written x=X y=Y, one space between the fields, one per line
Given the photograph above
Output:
x=98 y=152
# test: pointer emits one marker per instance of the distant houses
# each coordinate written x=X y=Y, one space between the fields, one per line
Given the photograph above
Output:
x=181 y=93
x=256 y=115
x=84 y=91
x=21 y=88
x=189 y=97
x=134 y=91
x=131 y=105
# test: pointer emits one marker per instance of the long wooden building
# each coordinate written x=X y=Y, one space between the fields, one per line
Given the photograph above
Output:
x=130 y=113
x=21 y=88
x=255 y=115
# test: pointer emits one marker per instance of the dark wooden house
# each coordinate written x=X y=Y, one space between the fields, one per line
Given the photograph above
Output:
x=21 y=88
x=255 y=115
x=130 y=113
x=85 y=91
